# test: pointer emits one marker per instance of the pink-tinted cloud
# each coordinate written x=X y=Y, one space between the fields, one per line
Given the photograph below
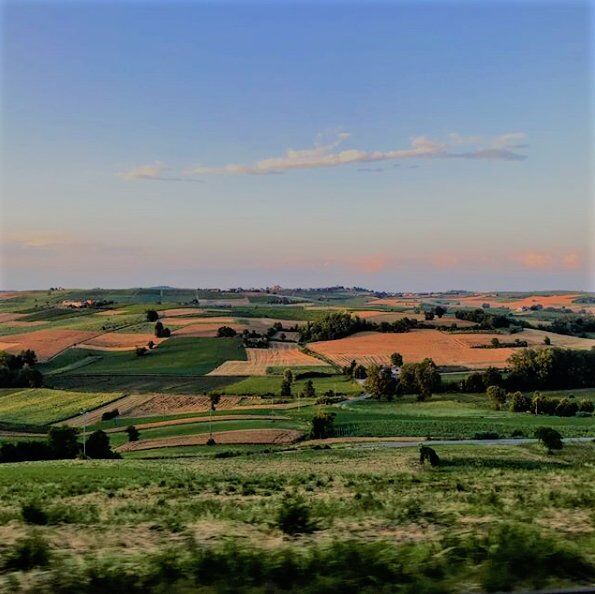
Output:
x=535 y=259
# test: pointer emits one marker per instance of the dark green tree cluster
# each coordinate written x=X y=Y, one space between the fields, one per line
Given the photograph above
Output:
x=17 y=371
x=380 y=382
x=61 y=444
x=571 y=324
x=551 y=369
x=479 y=382
x=484 y=319
x=332 y=326
x=226 y=331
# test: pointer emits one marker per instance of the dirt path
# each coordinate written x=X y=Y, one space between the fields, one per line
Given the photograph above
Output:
x=239 y=437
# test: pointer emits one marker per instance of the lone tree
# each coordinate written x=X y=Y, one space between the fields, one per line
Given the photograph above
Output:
x=439 y=310
x=152 y=315
x=550 y=438
x=429 y=315
x=309 y=391
x=322 y=425
x=133 y=433
x=396 y=360
x=214 y=400
x=547 y=341
x=98 y=446
x=63 y=442
x=427 y=453
x=360 y=372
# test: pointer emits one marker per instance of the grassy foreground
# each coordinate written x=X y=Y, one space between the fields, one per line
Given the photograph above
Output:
x=487 y=519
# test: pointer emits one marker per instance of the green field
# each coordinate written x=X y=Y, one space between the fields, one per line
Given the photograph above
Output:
x=451 y=416
x=487 y=519
x=42 y=406
x=271 y=384
x=176 y=357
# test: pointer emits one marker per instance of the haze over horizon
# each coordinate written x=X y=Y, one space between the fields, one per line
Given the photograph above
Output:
x=396 y=146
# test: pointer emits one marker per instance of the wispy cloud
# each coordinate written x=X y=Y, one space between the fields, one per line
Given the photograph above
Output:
x=153 y=171
x=328 y=155
x=547 y=260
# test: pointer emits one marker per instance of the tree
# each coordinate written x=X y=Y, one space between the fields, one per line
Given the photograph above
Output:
x=497 y=396
x=152 y=315
x=495 y=342
x=566 y=408
x=547 y=341
x=429 y=454
x=158 y=329
x=133 y=433
x=322 y=425
x=429 y=315
x=586 y=406
x=150 y=345
x=439 y=310
x=288 y=375
x=309 y=391
x=63 y=442
x=396 y=360
x=285 y=388
x=98 y=447
x=550 y=438
x=427 y=378
x=29 y=357
x=214 y=399
x=360 y=372
x=380 y=382
x=140 y=351
x=226 y=331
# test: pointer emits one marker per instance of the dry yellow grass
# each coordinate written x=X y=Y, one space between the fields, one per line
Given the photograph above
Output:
x=114 y=341
x=278 y=355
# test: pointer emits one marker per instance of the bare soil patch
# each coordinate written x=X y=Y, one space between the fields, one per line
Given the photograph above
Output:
x=163 y=404
x=10 y=317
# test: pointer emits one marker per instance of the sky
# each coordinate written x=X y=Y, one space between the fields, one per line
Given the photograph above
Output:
x=393 y=145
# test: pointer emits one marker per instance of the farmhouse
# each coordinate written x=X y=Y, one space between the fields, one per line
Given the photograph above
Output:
x=78 y=304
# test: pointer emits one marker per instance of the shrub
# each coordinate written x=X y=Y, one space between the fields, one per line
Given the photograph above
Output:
x=294 y=517
x=585 y=406
x=33 y=514
x=566 y=408
x=429 y=454
x=133 y=433
x=322 y=425
x=140 y=351
x=550 y=438
x=98 y=447
x=497 y=396
x=152 y=315
x=110 y=414
x=519 y=402
x=28 y=553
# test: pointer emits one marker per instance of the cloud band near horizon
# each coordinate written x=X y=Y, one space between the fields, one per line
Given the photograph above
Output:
x=500 y=148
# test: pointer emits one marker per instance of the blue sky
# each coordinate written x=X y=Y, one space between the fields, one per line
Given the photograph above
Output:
x=435 y=145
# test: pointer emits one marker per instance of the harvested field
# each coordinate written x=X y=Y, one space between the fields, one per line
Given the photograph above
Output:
x=545 y=300
x=536 y=337
x=245 y=436
x=223 y=302
x=207 y=327
x=124 y=405
x=181 y=311
x=278 y=355
x=115 y=341
x=111 y=312
x=24 y=324
x=443 y=348
x=162 y=404
x=192 y=420
x=396 y=301
x=46 y=343
x=10 y=317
